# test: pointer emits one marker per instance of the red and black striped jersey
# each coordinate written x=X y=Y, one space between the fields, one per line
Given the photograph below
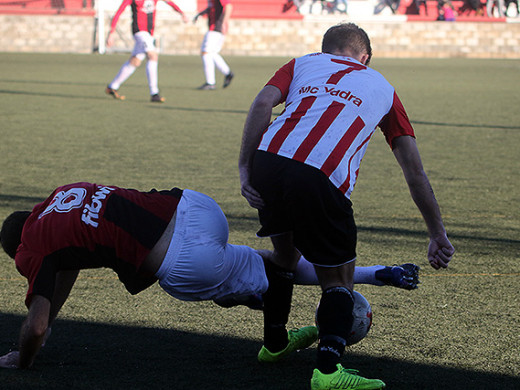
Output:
x=85 y=225
x=143 y=14
x=215 y=10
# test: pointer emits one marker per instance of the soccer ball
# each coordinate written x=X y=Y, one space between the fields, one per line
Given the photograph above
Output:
x=362 y=319
x=362 y=313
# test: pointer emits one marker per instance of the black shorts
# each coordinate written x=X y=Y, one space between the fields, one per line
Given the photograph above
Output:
x=301 y=199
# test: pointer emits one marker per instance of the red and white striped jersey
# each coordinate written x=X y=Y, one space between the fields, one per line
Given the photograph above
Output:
x=332 y=106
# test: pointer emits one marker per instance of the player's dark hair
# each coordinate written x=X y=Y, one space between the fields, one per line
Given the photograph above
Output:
x=347 y=36
x=11 y=233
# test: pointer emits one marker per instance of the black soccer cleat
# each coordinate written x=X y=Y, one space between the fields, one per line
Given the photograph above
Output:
x=157 y=98
x=227 y=79
x=206 y=87
x=404 y=276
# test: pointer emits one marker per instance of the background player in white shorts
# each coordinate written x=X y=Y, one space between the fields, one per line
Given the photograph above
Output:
x=218 y=12
x=178 y=237
x=143 y=25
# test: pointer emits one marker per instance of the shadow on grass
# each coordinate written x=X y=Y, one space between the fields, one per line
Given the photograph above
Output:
x=83 y=355
x=240 y=221
x=18 y=202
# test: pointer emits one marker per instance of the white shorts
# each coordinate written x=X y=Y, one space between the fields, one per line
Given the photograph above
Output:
x=144 y=43
x=200 y=264
x=212 y=42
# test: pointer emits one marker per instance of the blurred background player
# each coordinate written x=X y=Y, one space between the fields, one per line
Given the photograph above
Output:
x=143 y=25
x=299 y=172
x=218 y=13
x=177 y=237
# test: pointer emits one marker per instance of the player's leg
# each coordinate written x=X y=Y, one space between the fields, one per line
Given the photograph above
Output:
x=209 y=49
x=334 y=318
x=152 y=66
x=219 y=61
x=128 y=68
x=404 y=276
x=334 y=314
x=278 y=297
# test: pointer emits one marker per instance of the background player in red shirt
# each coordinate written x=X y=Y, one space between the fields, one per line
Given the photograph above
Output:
x=177 y=237
x=218 y=12
x=299 y=171
x=143 y=24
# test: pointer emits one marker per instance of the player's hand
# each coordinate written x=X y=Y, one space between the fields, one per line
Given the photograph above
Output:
x=440 y=251
x=110 y=40
x=10 y=360
x=252 y=196
x=185 y=18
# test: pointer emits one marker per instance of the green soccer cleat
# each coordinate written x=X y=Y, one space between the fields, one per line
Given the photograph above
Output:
x=343 y=379
x=298 y=339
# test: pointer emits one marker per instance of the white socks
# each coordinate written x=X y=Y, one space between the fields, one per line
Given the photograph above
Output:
x=124 y=73
x=209 y=62
x=209 y=68
x=221 y=65
x=306 y=275
x=151 y=73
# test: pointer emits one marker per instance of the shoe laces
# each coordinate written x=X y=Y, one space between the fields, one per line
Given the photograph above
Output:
x=351 y=371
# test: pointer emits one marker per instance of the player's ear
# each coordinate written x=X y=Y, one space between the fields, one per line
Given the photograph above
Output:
x=364 y=59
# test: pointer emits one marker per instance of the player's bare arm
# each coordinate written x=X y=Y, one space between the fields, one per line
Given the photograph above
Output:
x=64 y=282
x=32 y=335
x=440 y=250
x=36 y=327
x=258 y=119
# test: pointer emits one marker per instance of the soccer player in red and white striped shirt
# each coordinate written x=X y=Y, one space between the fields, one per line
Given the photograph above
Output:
x=299 y=172
x=143 y=25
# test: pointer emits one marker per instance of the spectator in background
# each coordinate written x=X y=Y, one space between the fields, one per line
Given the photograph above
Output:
x=218 y=12
x=417 y=4
x=143 y=24
x=392 y=4
x=446 y=11
x=491 y=5
x=339 y=8
x=290 y=3
x=509 y=2
x=472 y=6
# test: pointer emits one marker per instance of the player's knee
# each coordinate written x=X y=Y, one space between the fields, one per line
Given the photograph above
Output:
x=135 y=61
x=152 y=56
x=334 y=313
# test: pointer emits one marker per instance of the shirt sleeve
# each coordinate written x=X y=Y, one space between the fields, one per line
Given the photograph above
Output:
x=40 y=278
x=396 y=122
x=118 y=13
x=174 y=6
x=282 y=79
